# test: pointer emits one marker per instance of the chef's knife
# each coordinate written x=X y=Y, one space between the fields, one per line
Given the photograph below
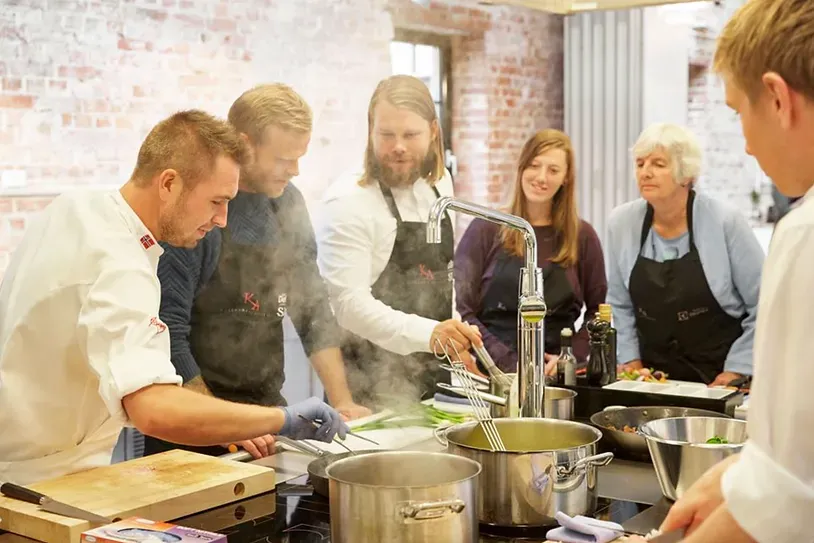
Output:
x=48 y=504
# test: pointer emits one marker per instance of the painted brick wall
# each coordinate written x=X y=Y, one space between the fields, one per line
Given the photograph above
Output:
x=83 y=81
x=728 y=172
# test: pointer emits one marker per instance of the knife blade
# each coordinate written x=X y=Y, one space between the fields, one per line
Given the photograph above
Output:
x=49 y=504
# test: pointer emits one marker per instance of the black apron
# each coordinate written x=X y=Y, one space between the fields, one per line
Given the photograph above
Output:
x=417 y=280
x=499 y=306
x=682 y=329
x=236 y=331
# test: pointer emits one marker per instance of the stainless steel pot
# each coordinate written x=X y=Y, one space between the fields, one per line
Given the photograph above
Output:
x=549 y=466
x=559 y=402
x=405 y=497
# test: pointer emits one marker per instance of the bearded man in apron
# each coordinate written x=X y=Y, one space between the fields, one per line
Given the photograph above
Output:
x=391 y=290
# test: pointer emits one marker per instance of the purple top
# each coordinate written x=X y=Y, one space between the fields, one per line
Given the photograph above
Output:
x=475 y=260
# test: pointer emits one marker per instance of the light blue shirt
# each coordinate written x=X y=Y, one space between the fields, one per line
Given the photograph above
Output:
x=731 y=257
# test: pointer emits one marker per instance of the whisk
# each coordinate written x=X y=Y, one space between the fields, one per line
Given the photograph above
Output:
x=481 y=410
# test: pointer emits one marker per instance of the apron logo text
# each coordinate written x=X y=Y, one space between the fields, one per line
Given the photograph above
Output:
x=425 y=273
x=281 y=305
x=248 y=298
x=687 y=315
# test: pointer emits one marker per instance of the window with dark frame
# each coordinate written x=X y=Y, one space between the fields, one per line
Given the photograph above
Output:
x=427 y=57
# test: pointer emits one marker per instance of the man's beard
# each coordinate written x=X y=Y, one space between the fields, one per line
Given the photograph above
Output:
x=253 y=180
x=171 y=231
x=250 y=179
x=385 y=174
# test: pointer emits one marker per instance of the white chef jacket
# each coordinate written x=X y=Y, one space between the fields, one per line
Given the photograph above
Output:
x=355 y=233
x=770 y=489
x=79 y=330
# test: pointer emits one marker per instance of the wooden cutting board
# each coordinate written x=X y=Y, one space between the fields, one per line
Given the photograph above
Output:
x=161 y=487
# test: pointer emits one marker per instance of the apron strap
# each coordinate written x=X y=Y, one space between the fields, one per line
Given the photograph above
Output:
x=647 y=223
x=690 y=200
x=391 y=202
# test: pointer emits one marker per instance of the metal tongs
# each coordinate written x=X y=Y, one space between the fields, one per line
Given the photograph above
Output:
x=481 y=410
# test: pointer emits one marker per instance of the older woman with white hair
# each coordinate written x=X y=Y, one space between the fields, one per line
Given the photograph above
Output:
x=684 y=269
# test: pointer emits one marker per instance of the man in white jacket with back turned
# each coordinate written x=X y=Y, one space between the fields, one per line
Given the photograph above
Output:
x=766 y=493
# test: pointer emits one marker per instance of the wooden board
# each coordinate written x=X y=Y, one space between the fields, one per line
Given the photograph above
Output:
x=227 y=516
x=161 y=487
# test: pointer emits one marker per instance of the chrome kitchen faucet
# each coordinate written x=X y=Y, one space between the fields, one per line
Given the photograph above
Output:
x=532 y=308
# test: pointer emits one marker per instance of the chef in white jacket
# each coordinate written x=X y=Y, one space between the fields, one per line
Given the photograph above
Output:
x=390 y=289
x=766 y=493
x=82 y=349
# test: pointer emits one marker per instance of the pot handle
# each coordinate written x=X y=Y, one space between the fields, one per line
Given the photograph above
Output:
x=602 y=459
x=430 y=510
x=440 y=434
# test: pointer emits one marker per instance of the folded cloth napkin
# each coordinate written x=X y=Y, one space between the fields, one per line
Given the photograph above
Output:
x=581 y=529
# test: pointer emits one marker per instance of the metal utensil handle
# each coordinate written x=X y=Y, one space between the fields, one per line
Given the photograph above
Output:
x=476 y=378
x=301 y=446
x=22 y=493
x=599 y=460
x=491 y=367
x=491 y=398
x=440 y=435
x=431 y=509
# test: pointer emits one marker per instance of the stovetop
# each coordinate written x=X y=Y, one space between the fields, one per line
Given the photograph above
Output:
x=302 y=516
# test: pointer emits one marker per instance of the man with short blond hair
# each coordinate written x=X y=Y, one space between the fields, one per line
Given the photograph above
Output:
x=766 y=493
x=224 y=300
x=83 y=351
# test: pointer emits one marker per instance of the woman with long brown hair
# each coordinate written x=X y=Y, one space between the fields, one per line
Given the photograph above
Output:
x=489 y=257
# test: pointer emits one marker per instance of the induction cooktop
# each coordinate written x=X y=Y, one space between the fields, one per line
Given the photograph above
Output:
x=293 y=513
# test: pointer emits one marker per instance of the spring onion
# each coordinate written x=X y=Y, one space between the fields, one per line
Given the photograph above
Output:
x=424 y=416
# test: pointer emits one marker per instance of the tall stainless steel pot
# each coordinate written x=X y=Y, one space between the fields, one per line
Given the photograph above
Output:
x=404 y=497
x=549 y=466
x=559 y=402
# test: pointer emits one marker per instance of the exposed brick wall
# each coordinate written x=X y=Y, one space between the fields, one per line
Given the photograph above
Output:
x=728 y=172
x=84 y=80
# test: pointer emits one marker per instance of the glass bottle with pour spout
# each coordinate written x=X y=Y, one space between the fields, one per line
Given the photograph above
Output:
x=606 y=313
x=567 y=362
x=597 y=372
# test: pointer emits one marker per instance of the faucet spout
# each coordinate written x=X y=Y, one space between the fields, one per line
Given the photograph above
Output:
x=441 y=205
x=531 y=305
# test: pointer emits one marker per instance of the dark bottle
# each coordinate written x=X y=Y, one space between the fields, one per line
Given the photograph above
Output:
x=597 y=371
x=606 y=313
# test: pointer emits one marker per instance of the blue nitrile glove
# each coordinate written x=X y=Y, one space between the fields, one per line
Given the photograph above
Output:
x=329 y=420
